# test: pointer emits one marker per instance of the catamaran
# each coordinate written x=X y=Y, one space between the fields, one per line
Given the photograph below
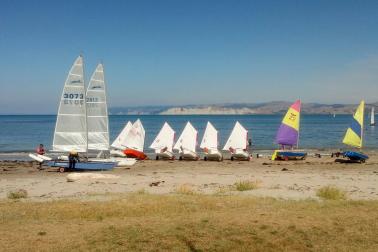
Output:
x=238 y=144
x=372 y=117
x=288 y=135
x=163 y=143
x=71 y=129
x=187 y=142
x=354 y=136
x=134 y=141
x=209 y=144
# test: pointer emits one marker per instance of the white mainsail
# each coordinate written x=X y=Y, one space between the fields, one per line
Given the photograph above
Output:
x=164 y=139
x=135 y=137
x=97 y=111
x=372 y=117
x=71 y=124
x=120 y=142
x=187 y=140
x=238 y=138
x=210 y=138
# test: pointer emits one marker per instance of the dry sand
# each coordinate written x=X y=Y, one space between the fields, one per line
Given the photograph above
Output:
x=279 y=179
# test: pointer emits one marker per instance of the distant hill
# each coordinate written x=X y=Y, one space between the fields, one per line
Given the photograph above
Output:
x=276 y=107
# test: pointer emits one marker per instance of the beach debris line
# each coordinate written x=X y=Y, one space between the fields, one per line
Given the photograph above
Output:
x=72 y=177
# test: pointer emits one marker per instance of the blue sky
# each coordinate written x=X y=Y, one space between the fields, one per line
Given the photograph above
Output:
x=173 y=52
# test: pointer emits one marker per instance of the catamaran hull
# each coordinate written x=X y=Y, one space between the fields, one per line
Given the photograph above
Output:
x=39 y=158
x=89 y=166
x=355 y=156
x=121 y=162
x=130 y=153
x=288 y=155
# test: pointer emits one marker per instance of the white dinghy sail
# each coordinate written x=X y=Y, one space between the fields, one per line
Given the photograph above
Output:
x=120 y=142
x=209 y=143
x=164 y=139
x=135 y=137
x=372 y=117
x=71 y=124
x=210 y=138
x=237 y=143
x=187 y=142
x=97 y=112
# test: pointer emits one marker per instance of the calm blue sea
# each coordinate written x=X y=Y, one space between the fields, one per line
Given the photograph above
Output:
x=23 y=132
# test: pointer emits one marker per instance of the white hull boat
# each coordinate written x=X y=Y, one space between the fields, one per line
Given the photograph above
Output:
x=237 y=143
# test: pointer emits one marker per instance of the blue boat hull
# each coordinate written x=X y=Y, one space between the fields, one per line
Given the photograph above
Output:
x=355 y=156
x=90 y=166
x=289 y=155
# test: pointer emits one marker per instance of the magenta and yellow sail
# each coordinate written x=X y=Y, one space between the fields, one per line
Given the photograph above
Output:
x=288 y=132
x=354 y=134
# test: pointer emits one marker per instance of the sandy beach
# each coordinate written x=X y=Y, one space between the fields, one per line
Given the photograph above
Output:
x=284 y=180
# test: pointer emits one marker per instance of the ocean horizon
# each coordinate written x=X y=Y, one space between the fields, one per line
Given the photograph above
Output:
x=22 y=133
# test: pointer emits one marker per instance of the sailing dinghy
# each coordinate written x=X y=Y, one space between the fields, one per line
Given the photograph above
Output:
x=209 y=144
x=237 y=143
x=118 y=145
x=71 y=129
x=354 y=136
x=163 y=143
x=288 y=135
x=187 y=142
x=134 y=141
x=372 y=117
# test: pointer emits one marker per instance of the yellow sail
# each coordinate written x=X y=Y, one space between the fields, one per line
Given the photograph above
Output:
x=354 y=134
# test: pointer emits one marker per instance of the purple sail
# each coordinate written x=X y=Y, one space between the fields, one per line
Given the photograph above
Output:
x=287 y=135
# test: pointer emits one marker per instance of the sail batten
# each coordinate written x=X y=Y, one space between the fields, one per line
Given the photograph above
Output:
x=354 y=134
x=288 y=132
x=71 y=126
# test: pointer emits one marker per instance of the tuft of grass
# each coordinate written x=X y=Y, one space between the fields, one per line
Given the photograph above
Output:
x=19 y=194
x=331 y=193
x=247 y=185
x=185 y=189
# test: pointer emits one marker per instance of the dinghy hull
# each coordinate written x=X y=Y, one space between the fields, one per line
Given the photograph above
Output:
x=241 y=156
x=130 y=153
x=189 y=155
x=213 y=155
x=166 y=155
x=355 y=156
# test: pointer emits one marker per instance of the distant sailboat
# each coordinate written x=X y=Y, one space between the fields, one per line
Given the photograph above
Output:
x=209 y=144
x=355 y=134
x=134 y=141
x=187 y=142
x=237 y=143
x=163 y=143
x=71 y=129
x=288 y=134
x=372 y=117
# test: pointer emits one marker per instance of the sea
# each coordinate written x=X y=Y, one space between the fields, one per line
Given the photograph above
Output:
x=22 y=133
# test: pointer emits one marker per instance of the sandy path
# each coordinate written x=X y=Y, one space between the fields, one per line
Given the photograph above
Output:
x=299 y=180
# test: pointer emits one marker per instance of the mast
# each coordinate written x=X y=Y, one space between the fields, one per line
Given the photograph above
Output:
x=85 y=109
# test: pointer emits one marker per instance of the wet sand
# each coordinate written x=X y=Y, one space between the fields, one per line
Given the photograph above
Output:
x=278 y=179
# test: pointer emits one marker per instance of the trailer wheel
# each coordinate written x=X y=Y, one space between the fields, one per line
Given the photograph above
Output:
x=232 y=158
x=62 y=169
x=286 y=158
x=180 y=158
x=205 y=158
x=157 y=157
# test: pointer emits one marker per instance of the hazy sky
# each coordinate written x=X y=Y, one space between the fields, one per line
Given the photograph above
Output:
x=172 y=52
